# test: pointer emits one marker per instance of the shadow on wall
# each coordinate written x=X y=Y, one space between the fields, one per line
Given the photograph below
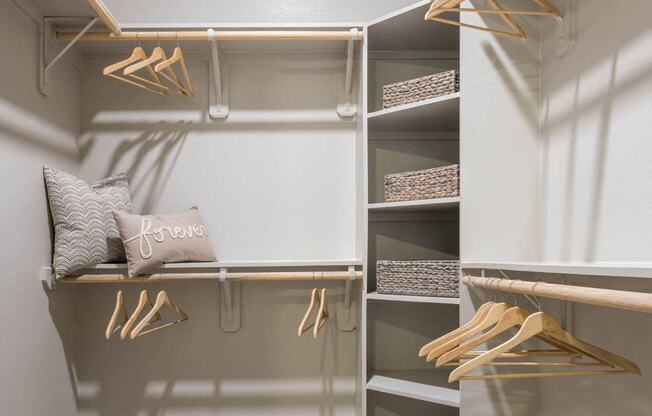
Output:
x=166 y=142
x=196 y=368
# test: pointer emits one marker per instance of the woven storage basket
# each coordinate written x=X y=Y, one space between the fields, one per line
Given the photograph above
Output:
x=423 y=184
x=419 y=89
x=418 y=278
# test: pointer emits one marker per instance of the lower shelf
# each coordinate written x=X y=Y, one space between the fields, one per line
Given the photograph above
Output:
x=416 y=299
x=417 y=391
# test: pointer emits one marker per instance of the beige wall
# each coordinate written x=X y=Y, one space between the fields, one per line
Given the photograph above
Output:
x=39 y=328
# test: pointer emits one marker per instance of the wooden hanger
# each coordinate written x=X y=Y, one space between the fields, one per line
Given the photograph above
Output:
x=177 y=56
x=314 y=299
x=143 y=301
x=479 y=315
x=118 y=310
x=541 y=323
x=492 y=317
x=441 y=6
x=154 y=85
x=162 y=299
x=322 y=314
x=513 y=317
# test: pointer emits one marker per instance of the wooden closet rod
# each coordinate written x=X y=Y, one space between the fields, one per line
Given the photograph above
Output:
x=230 y=277
x=218 y=35
x=633 y=301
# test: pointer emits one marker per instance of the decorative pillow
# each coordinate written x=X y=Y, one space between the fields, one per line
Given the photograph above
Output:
x=85 y=232
x=151 y=240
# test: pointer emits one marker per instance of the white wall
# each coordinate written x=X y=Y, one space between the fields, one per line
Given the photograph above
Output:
x=595 y=173
x=589 y=175
x=596 y=119
x=499 y=150
x=39 y=328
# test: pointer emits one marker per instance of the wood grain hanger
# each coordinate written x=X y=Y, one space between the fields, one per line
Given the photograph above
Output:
x=138 y=54
x=513 y=317
x=177 y=56
x=493 y=316
x=537 y=324
x=158 y=54
x=162 y=299
x=143 y=300
x=118 y=310
x=479 y=315
x=441 y=6
x=322 y=313
x=314 y=300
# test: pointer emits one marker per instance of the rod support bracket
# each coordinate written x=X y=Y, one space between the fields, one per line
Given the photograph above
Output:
x=229 y=303
x=346 y=309
x=218 y=87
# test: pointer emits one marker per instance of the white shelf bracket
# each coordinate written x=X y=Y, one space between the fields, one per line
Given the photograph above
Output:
x=347 y=312
x=348 y=109
x=230 y=303
x=219 y=106
x=45 y=67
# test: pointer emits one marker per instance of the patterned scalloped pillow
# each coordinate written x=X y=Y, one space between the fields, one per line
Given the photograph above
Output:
x=85 y=232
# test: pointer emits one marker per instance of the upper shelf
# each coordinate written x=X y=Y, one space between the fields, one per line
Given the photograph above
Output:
x=622 y=269
x=389 y=32
x=439 y=113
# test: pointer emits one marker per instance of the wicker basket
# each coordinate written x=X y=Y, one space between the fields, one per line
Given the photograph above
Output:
x=419 y=89
x=418 y=278
x=423 y=184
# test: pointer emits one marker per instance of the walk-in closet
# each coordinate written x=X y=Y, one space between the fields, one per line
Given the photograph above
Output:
x=326 y=208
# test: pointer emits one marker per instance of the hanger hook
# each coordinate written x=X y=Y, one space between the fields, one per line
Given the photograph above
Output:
x=176 y=34
x=158 y=39
x=537 y=297
x=138 y=38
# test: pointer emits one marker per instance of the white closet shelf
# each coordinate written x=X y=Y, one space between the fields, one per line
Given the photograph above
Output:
x=435 y=114
x=374 y=296
x=216 y=265
x=622 y=269
x=421 y=205
x=417 y=391
x=389 y=32
x=244 y=271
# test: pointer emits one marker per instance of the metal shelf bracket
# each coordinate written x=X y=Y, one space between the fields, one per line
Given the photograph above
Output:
x=45 y=66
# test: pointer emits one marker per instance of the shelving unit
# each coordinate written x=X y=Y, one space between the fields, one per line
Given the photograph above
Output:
x=405 y=138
